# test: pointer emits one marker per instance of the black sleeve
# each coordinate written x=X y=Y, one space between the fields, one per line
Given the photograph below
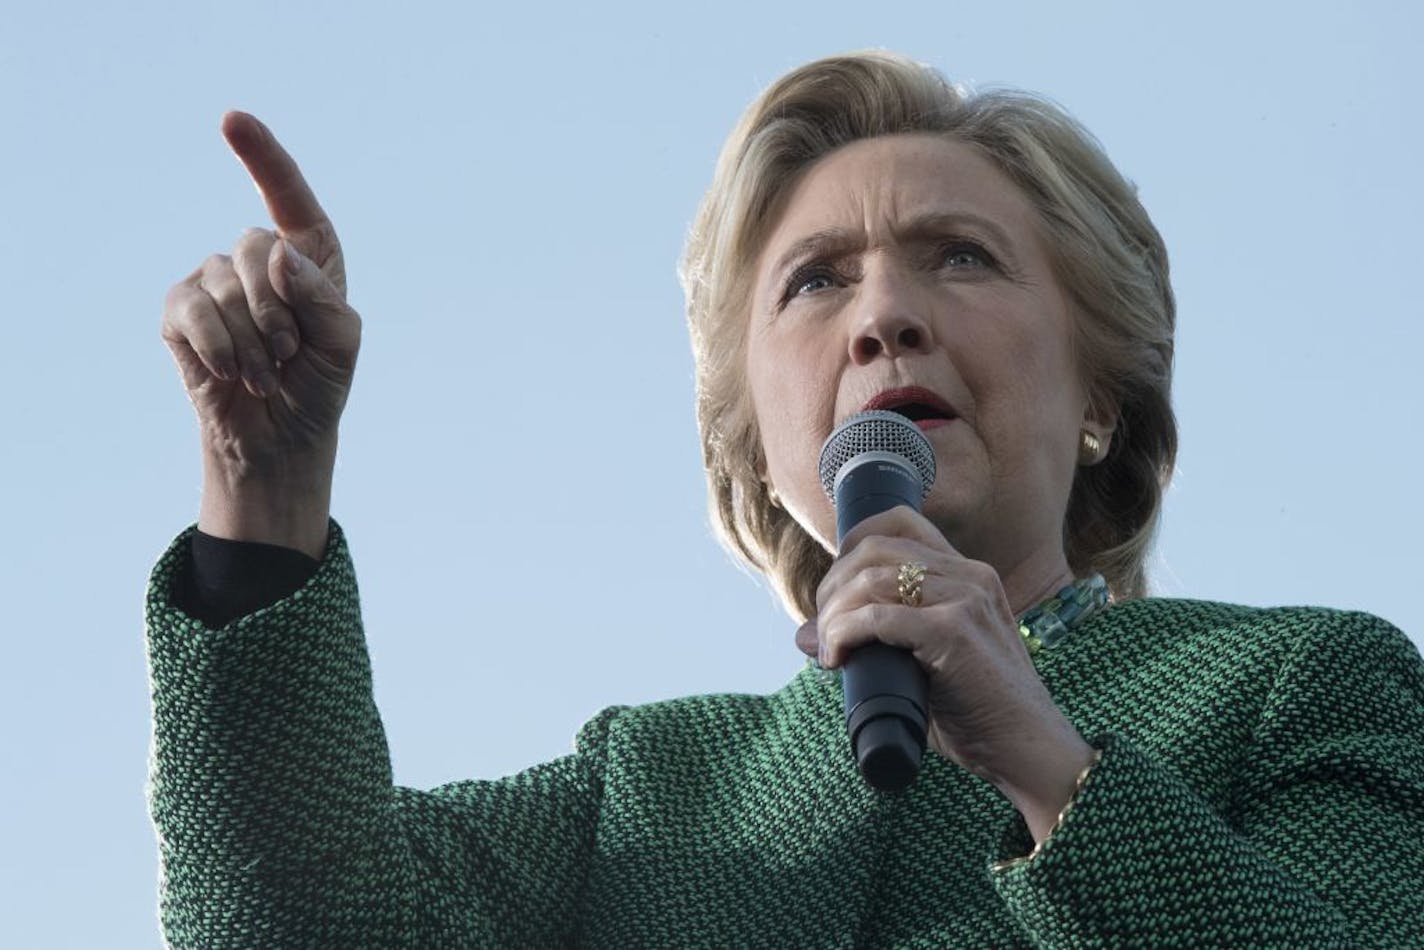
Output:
x=231 y=579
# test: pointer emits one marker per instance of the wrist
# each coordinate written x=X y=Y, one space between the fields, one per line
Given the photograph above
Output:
x=290 y=508
x=1043 y=776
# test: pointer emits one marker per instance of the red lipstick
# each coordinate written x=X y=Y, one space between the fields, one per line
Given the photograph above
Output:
x=921 y=406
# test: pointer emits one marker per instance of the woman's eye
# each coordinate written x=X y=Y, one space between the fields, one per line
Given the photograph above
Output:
x=967 y=255
x=808 y=282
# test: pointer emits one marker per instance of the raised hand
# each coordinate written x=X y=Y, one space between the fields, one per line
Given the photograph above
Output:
x=266 y=346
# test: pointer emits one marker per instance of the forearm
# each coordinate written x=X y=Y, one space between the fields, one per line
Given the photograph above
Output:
x=271 y=786
x=277 y=818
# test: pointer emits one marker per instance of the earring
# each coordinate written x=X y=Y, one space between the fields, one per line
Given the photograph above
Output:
x=1088 y=447
x=773 y=497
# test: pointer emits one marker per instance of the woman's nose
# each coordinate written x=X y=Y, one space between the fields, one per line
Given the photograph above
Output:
x=891 y=318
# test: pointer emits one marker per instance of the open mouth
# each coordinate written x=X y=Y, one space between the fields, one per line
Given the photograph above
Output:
x=921 y=406
x=921 y=412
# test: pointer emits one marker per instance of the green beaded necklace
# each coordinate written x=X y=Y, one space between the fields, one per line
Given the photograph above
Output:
x=1049 y=622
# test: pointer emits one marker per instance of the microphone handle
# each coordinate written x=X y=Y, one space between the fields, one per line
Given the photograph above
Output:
x=885 y=689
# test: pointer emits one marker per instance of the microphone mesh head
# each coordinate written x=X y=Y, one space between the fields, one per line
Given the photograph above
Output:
x=876 y=430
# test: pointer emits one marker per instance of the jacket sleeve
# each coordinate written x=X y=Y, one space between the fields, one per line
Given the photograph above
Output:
x=1324 y=844
x=278 y=823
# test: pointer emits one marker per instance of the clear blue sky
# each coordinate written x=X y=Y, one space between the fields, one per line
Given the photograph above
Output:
x=512 y=188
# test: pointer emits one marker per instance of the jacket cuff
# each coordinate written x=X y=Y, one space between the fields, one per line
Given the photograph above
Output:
x=219 y=581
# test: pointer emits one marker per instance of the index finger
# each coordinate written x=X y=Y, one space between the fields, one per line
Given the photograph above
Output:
x=902 y=521
x=289 y=199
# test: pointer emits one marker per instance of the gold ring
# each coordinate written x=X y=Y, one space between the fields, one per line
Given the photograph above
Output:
x=912 y=576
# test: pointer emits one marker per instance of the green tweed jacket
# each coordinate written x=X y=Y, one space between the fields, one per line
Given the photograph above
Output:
x=1262 y=784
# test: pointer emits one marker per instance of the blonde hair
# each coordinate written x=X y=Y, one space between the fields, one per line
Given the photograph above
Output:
x=1106 y=253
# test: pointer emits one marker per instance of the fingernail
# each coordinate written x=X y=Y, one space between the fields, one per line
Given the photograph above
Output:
x=293 y=258
x=266 y=384
x=283 y=345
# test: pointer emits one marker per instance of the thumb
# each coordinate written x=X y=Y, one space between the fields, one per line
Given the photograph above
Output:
x=808 y=639
x=323 y=317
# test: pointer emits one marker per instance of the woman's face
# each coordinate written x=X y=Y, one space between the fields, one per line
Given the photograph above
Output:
x=911 y=261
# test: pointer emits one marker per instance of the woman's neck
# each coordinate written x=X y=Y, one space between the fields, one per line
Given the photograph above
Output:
x=1035 y=578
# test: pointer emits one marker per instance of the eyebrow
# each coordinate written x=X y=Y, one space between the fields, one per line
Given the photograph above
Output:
x=835 y=242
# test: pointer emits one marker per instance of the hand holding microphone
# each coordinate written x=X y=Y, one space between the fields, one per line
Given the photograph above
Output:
x=947 y=667
x=874 y=461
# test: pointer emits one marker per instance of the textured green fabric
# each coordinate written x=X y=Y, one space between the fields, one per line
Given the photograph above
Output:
x=1262 y=784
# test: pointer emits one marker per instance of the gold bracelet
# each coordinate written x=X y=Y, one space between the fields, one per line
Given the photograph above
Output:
x=1057 y=822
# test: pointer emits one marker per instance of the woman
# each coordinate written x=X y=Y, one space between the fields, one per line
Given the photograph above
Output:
x=1150 y=772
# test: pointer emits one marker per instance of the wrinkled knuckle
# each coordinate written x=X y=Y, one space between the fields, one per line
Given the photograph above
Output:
x=215 y=348
x=956 y=614
x=178 y=295
x=228 y=293
x=215 y=264
x=255 y=358
x=270 y=315
x=253 y=245
x=878 y=578
x=877 y=614
x=185 y=307
x=874 y=547
x=886 y=544
x=981 y=573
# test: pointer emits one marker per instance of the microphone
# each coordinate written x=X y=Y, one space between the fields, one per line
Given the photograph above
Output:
x=872 y=462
